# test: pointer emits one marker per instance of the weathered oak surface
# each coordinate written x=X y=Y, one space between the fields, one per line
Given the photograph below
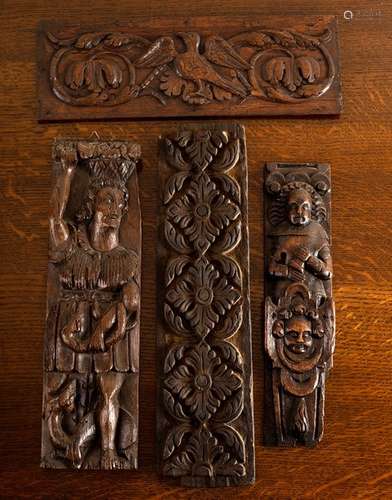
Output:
x=354 y=458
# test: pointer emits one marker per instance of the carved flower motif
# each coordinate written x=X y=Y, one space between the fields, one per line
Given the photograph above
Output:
x=202 y=296
x=203 y=212
x=202 y=382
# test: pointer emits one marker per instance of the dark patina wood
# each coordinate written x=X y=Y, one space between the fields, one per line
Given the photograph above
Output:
x=90 y=399
x=165 y=67
x=299 y=309
x=205 y=414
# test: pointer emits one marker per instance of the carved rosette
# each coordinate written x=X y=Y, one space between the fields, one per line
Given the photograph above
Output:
x=207 y=420
x=110 y=68
x=299 y=310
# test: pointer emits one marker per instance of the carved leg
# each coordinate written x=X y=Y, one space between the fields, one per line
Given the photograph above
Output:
x=110 y=385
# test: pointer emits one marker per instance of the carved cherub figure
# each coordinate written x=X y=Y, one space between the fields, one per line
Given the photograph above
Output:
x=301 y=251
x=99 y=296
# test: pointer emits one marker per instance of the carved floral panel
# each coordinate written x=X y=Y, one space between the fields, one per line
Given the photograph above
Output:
x=220 y=66
x=299 y=309
x=205 y=419
x=91 y=362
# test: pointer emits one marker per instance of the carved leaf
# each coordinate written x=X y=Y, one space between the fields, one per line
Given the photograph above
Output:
x=121 y=39
x=89 y=40
x=233 y=439
x=231 y=409
x=174 y=439
x=229 y=158
x=96 y=74
x=203 y=149
x=230 y=239
x=230 y=186
x=309 y=67
x=230 y=268
x=175 y=238
x=231 y=323
x=251 y=39
x=174 y=355
x=174 y=156
x=173 y=185
x=282 y=70
x=174 y=268
x=173 y=407
x=220 y=94
x=230 y=354
x=172 y=84
x=174 y=321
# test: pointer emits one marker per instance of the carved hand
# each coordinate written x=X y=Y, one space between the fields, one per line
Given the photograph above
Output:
x=68 y=158
x=296 y=270
x=302 y=253
x=279 y=270
x=120 y=330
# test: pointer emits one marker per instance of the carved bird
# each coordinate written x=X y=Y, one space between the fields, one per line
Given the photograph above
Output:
x=196 y=67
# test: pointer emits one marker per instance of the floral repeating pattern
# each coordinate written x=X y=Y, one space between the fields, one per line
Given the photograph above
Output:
x=203 y=296
x=204 y=375
x=203 y=212
x=202 y=382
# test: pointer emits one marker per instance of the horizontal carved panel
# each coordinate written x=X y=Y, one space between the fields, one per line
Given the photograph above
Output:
x=91 y=363
x=205 y=412
x=299 y=309
x=220 y=66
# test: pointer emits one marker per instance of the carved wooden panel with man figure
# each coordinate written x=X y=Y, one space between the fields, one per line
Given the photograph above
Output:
x=299 y=310
x=90 y=400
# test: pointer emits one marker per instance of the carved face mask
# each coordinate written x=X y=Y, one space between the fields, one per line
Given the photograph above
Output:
x=299 y=207
x=109 y=207
x=298 y=335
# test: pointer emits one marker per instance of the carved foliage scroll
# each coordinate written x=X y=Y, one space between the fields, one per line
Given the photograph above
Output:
x=205 y=419
x=299 y=309
x=273 y=66
x=90 y=400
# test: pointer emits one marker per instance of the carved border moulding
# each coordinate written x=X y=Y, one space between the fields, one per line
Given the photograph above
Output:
x=202 y=66
x=205 y=414
x=91 y=361
x=299 y=309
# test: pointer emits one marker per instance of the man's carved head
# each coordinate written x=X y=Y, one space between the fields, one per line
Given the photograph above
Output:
x=298 y=335
x=299 y=207
x=105 y=204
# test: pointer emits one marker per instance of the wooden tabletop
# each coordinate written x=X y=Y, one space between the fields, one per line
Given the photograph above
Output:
x=354 y=458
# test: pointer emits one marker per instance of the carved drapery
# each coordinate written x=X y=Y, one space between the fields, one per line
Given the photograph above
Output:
x=205 y=419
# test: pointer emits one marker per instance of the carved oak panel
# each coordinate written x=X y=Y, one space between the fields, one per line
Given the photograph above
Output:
x=299 y=309
x=91 y=367
x=205 y=414
x=190 y=67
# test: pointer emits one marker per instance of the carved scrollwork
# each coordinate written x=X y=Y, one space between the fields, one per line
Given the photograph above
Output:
x=299 y=311
x=107 y=68
x=204 y=375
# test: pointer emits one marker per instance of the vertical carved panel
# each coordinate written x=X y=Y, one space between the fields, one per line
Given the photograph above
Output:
x=299 y=310
x=205 y=418
x=90 y=400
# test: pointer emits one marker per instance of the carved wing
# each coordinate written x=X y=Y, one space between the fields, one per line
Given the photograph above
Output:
x=218 y=51
x=162 y=51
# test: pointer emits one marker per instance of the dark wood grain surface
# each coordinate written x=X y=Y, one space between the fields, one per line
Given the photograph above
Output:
x=354 y=458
